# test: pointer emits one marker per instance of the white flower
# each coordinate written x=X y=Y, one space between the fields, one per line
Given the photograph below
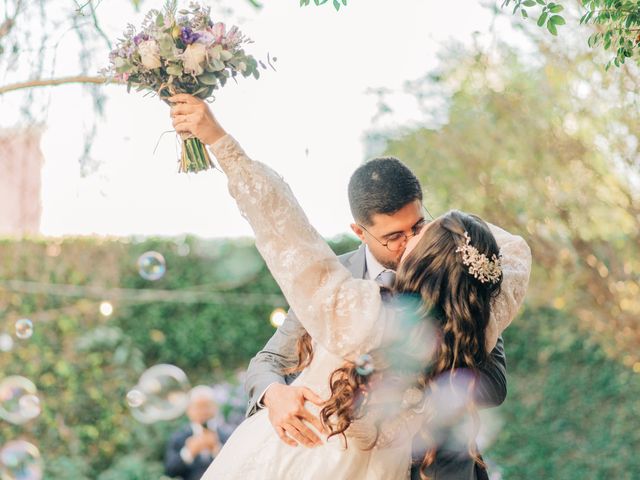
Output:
x=242 y=66
x=150 y=54
x=193 y=58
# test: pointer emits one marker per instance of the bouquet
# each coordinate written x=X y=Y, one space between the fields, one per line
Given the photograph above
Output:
x=181 y=52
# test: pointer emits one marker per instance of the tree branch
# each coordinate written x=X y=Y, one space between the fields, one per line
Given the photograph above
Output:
x=97 y=26
x=10 y=22
x=54 y=82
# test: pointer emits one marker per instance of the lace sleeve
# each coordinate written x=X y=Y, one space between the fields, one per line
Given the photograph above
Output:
x=516 y=268
x=341 y=313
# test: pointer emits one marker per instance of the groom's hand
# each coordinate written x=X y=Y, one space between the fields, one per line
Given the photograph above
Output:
x=287 y=414
x=192 y=115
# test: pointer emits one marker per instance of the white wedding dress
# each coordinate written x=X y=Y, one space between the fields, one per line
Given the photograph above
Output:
x=345 y=318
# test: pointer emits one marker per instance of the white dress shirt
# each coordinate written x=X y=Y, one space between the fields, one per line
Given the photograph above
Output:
x=373 y=268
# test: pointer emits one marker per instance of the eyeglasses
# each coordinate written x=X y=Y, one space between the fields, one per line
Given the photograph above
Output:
x=398 y=240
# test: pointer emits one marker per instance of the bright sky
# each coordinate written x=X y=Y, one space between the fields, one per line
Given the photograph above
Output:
x=307 y=120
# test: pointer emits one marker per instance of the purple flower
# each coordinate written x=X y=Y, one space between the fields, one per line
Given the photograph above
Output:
x=188 y=36
x=141 y=37
x=124 y=51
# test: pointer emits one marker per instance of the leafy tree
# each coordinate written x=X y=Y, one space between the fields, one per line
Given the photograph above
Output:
x=565 y=416
x=616 y=23
x=549 y=150
x=336 y=3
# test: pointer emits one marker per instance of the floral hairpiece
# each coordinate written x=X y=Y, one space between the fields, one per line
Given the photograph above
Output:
x=480 y=266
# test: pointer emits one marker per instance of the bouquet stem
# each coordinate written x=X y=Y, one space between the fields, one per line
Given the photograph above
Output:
x=195 y=157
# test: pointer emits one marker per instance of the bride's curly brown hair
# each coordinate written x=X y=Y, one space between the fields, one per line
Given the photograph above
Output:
x=458 y=304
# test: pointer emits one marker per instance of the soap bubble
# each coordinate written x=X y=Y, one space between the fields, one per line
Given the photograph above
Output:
x=29 y=405
x=19 y=400
x=20 y=460
x=24 y=328
x=365 y=365
x=446 y=412
x=135 y=398
x=490 y=427
x=151 y=266
x=162 y=393
x=6 y=342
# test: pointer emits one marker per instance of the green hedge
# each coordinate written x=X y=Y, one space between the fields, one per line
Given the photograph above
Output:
x=570 y=414
x=84 y=364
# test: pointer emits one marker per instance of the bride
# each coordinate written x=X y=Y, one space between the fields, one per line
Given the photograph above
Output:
x=470 y=280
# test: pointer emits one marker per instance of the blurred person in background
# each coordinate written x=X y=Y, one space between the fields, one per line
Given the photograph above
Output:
x=192 y=448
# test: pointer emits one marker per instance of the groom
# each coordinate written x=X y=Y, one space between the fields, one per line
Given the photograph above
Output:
x=386 y=202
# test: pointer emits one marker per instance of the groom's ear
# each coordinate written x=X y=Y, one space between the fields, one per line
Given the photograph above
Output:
x=357 y=229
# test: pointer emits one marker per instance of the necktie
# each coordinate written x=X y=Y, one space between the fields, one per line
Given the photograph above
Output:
x=386 y=278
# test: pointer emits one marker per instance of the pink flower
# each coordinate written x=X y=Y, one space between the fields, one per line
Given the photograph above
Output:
x=218 y=31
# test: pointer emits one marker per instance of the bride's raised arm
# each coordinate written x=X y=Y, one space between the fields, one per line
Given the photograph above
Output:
x=341 y=313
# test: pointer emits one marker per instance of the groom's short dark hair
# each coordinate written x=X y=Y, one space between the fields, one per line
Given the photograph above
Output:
x=382 y=185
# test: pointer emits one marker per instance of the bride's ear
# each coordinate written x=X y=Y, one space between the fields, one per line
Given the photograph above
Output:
x=357 y=229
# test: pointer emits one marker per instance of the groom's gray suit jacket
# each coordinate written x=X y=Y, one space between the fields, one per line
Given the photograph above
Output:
x=280 y=353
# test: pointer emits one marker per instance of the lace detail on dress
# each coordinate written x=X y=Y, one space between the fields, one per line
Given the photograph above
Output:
x=338 y=311
x=516 y=268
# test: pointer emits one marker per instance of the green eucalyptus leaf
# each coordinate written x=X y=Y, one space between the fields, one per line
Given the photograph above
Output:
x=557 y=20
x=174 y=70
x=208 y=79
x=165 y=42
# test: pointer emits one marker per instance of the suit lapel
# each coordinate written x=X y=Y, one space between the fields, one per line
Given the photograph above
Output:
x=357 y=264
